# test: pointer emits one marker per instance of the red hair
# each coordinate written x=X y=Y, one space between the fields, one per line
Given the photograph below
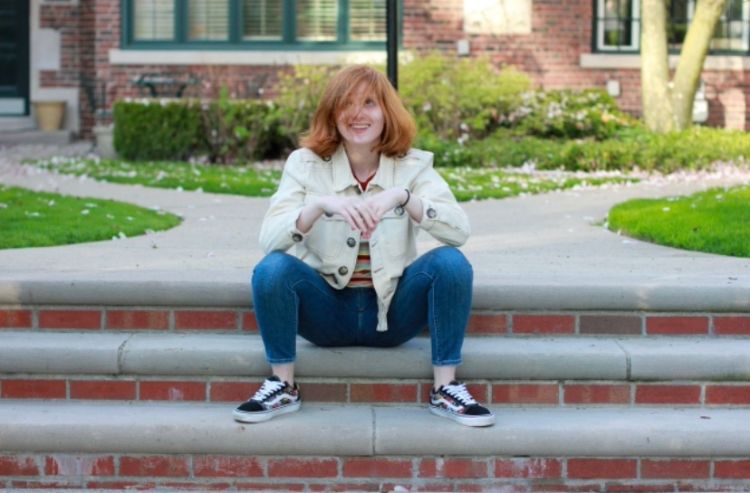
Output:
x=398 y=126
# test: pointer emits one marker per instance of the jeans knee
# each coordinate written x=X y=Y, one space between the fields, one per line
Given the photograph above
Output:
x=450 y=262
x=272 y=269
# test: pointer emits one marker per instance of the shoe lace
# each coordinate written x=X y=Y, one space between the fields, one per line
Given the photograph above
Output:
x=461 y=393
x=268 y=389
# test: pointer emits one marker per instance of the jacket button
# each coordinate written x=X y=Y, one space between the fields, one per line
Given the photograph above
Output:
x=431 y=213
x=297 y=237
x=399 y=211
x=343 y=271
x=351 y=242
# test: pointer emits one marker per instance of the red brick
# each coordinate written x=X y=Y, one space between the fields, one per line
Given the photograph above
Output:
x=249 y=322
x=70 y=319
x=34 y=389
x=528 y=468
x=525 y=394
x=70 y=465
x=543 y=324
x=154 y=465
x=667 y=394
x=602 y=468
x=428 y=468
x=610 y=324
x=18 y=465
x=732 y=469
x=675 y=469
x=676 y=325
x=324 y=392
x=137 y=319
x=739 y=325
x=205 y=320
x=302 y=468
x=15 y=319
x=464 y=468
x=233 y=391
x=377 y=468
x=728 y=394
x=488 y=324
x=596 y=394
x=383 y=392
x=172 y=391
x=102 y=389
x=215 y=466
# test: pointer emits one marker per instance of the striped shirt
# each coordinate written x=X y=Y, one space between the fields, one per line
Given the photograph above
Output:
x=362 y=276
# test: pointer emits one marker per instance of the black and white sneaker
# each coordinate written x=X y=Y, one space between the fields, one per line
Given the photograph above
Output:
x=272 y=399
x=453 y=401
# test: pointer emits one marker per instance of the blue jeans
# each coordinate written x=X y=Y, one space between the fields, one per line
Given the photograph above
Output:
x=291 y=298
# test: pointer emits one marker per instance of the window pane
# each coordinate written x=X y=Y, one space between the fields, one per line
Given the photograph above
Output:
x=731 y=30
x=208 y=20
x=367 y=20
x=679 y=15
x=617 y=23
x=154 y=20
x=262 y=19
x=317 y=20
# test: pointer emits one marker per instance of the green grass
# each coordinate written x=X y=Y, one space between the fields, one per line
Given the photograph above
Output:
x=467 y=183
x=715 y=221
x=35 y=219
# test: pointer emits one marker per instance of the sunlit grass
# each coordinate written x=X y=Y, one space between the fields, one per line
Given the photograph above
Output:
x=466 y=183
x=34 y=219
x=715 y=221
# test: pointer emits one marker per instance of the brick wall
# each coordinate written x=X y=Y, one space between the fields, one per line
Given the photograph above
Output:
x=550 y=54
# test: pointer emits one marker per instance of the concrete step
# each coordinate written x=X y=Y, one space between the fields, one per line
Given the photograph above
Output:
x=549 y=358
x=16 y=124
x=32 y=136
x=177 y=428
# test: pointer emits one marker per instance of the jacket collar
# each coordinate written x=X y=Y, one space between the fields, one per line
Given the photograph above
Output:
x=343 y=177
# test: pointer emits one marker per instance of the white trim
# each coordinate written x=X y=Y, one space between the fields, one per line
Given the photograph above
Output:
x=607 y=61
x=635 y=28
x=243 y=57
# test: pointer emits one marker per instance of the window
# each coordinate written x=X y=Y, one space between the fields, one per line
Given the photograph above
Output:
x=617 y=25
x=280 y=24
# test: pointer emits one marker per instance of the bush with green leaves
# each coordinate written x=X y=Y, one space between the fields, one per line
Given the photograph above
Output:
x=454 y=98
x=157 y=129
x=568 y=114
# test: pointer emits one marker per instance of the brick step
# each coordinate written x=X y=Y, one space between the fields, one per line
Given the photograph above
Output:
x=191 y=319
x=336 y=448
x=508 y=371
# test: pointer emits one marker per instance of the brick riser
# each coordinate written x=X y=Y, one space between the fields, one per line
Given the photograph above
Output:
x=211 y=472
x=402 y=391
x=168 y=319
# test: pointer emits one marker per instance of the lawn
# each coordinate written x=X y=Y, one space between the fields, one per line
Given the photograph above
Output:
x=261 y=181
x=35 y=219
x=715 y=221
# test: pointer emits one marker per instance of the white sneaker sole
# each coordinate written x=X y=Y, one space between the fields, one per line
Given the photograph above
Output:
x=486 y=420
x=259 y=417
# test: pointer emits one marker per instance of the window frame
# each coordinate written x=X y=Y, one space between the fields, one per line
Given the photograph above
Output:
x=288 y=40
x=598 y=24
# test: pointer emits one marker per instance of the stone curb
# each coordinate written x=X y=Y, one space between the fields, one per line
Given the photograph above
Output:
x=84 y=427
x=526 y=358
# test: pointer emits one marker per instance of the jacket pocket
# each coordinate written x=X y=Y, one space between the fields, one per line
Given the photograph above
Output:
x=394 y=234
x=327 y=238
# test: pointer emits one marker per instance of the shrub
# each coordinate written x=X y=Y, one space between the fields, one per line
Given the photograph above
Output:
x=568 y=114
x=456 y=98
x=152 y=129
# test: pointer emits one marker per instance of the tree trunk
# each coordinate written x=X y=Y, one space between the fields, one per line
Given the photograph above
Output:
x=658 y=112
x=692 y=56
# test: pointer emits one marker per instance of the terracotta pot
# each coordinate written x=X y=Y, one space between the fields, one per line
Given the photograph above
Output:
x=49 y=115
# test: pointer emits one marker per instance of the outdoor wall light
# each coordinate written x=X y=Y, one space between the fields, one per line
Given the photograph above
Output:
x=613 y=88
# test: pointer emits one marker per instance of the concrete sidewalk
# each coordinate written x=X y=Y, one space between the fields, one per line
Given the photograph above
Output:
x=543 y=252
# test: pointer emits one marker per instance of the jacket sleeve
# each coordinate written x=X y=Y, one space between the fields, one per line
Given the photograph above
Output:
x=442 y=217
x=278 y=230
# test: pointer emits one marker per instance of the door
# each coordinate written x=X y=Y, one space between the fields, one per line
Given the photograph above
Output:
x=14 y=57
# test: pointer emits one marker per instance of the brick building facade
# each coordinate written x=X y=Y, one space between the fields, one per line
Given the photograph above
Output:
x=79 y=51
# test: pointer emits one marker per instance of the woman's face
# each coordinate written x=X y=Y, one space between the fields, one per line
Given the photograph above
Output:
x=361 y=120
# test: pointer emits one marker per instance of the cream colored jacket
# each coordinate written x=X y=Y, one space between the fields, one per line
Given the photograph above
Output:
x=331 y=246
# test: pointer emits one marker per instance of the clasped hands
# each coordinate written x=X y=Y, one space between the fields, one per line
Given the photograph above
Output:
x=363 y=214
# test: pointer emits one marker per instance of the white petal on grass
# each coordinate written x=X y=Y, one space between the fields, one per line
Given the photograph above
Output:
x=85 y=212
x=666 y=209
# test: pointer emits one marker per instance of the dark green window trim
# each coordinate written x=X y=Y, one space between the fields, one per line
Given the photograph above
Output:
x=597 y=18
x=287 y=43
